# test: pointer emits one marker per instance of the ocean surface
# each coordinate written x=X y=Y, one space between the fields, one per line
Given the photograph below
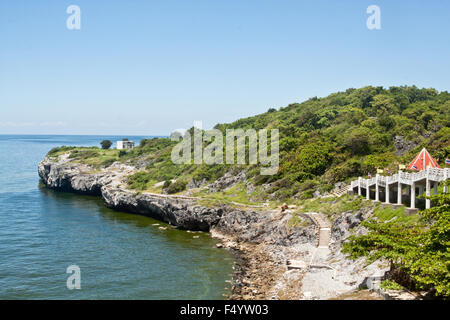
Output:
x=120 y=255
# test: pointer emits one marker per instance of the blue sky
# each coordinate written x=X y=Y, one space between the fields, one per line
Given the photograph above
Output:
x=148 y=67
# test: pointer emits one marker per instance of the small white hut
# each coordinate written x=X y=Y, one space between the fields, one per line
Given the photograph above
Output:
x=124 y=144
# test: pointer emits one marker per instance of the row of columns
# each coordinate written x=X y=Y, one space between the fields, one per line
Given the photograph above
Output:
x=399 y=191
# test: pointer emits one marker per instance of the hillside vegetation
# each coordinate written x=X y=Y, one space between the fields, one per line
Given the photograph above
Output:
x=322 y=141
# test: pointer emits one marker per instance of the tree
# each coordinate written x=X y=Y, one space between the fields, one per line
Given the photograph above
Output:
x=417 y=249
x=358 y=141
x=106 y=144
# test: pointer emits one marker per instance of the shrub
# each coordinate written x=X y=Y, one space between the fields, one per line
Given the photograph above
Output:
x=390 y=285
x=122 y=153
x=106 y=144
x=177 y=186
x=357 y=141
x=106 y=163
x=139 y=180
x=83 y=154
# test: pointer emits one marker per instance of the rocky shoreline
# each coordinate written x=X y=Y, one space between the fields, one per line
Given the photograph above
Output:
x=261 y=240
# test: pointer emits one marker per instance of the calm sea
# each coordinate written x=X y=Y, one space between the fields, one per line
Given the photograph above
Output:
x=120 y=255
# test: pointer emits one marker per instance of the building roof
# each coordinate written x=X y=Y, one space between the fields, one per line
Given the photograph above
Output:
x=422 y=161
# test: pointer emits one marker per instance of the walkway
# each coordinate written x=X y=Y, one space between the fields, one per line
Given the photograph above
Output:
x=320 y=279
x=321 y=252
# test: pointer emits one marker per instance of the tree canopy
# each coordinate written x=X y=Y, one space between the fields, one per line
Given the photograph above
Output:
x=106 y=144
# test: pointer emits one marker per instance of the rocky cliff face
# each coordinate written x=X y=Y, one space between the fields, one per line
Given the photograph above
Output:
x=182 y=212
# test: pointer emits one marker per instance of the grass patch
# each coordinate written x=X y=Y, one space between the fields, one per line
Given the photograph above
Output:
x=387 y=213
x=333 y=207
x=237 y=193
x=297 y=221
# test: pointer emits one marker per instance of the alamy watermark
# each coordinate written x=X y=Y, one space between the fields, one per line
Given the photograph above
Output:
x=74 y=280
x=192 y=148
x=374 y=20
x=73 y=22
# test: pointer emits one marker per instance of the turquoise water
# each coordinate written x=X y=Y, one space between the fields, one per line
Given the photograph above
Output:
x=121 y=256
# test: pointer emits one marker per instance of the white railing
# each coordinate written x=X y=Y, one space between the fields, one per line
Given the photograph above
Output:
x=392 y=179
x=420 y=175
x=382 y=180
x=433 y=174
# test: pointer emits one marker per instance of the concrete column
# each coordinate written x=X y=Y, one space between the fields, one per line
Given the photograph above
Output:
x=445 y=179
x=359 y=186
x=435 y=187
x=367 y=191
x=427 y=193
x=413 y=195
x=387 y=192
x=377 y=196
x=399 y=193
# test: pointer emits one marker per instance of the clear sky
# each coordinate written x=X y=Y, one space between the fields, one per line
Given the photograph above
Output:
x=148 y=67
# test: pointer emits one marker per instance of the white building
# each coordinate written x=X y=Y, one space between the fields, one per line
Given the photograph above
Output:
x=125 y=145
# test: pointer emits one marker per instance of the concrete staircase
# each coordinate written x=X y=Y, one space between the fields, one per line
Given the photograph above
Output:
x=338 y=192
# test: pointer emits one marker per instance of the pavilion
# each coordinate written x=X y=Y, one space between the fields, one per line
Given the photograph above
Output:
x=422 y=161
x=389 y=189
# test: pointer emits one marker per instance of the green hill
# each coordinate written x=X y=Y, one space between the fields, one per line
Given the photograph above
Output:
x=322 y=141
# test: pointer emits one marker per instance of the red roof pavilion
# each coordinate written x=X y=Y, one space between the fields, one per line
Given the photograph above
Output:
x=422 y=161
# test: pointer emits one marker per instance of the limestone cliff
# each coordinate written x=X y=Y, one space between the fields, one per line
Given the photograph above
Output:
x=182 y=212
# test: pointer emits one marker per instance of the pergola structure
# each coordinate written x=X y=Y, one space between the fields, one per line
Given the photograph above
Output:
x=428 y=177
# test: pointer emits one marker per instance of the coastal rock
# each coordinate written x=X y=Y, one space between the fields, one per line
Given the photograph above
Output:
x=402 y=146
x=226 y=181
x=196 y=184
x=254 y=227
x=180 y=212
x=343 y=224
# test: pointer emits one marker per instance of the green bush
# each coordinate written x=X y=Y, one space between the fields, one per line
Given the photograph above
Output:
x=83 y=154
x=139 y=180
x=177 y=186
x=122 y=153
x=390 y=285
x=106 y=144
